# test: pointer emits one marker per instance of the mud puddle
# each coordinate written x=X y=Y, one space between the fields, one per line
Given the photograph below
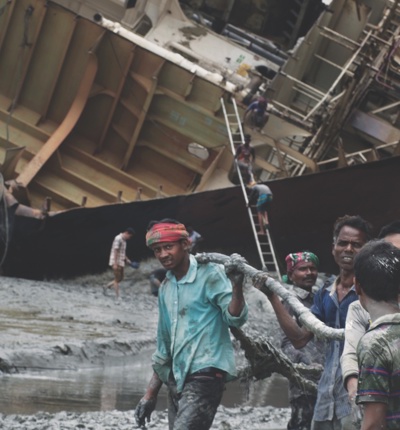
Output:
x=114 y=387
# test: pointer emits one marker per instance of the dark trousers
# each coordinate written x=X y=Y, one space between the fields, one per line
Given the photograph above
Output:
x=195 y=407
x=302 y=412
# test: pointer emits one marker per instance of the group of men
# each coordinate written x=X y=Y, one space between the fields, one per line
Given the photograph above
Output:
x=198 y=302
x=371 y=272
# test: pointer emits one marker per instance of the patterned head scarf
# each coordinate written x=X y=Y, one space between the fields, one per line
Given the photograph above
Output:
x=165 y=232
x=292 y=260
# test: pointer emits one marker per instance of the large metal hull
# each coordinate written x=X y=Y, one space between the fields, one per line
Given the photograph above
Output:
x=99 y=116
x=97 y=119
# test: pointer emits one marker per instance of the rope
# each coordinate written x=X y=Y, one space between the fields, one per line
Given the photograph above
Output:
x=307 y=319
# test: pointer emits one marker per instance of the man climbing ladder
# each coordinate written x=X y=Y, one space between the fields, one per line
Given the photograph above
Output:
x=264 y=198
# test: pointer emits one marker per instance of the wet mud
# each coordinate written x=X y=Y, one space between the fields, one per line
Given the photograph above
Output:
x=71 y=324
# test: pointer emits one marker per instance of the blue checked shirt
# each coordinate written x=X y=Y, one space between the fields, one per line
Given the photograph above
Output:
x=193 y=326
x=332 y=399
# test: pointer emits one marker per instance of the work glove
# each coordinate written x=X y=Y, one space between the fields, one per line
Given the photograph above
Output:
x=259 y=281
x=232 y=270
x=143 y=411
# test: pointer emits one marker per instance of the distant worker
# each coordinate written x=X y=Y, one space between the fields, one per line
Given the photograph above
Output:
x=302 y=273
x=245 y=156
x=195 y=238
x=264 y=194
x=156 y=278
x=258 y=113
x=118 y=259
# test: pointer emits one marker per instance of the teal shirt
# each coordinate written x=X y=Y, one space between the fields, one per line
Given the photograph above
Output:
x=193 y=325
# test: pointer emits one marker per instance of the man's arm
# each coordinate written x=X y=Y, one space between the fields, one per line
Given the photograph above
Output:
x=236 y=307
x=246 y=112
x=251 y=194
x=153 y=387
x=237 y=303
x=115 y=249
x=238 y=151
x=357 y=322
x=374 y=416
x=148 y=402
x=297 y=335
x=116 y=254
x=253 y=154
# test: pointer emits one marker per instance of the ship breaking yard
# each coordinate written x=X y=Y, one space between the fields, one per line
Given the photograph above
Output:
x=115 y=113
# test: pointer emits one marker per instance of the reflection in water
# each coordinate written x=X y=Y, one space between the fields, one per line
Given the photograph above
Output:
x=113 y=388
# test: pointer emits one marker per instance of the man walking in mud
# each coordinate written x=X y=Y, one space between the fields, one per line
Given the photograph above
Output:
x=333 y=409
x=118 y=259
x=194 y=355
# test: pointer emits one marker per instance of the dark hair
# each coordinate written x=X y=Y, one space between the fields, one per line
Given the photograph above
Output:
x=168 y=220
x=377 y=270
x=130 y=230
x=354 y=221
x=247 y=138
x=391 y=228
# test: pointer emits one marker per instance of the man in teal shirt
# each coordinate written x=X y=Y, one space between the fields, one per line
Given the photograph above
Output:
x=194 y=356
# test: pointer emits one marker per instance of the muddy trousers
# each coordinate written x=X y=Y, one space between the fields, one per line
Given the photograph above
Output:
x=343 y=424
x=302 y=412
x=195 y=407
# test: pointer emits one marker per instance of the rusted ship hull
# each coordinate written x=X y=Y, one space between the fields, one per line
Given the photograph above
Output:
x=101 y=123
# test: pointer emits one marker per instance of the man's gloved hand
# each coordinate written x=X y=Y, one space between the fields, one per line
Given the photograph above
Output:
x=259 y=282
x=143 y=411
x=232 y=269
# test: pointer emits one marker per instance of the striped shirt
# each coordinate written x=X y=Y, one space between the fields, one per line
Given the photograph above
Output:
x=379 y=363
x=118 y=251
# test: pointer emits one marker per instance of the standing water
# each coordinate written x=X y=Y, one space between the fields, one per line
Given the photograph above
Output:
x=114 y=387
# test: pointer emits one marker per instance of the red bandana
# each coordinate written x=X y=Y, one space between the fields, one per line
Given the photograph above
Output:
x=166 y=232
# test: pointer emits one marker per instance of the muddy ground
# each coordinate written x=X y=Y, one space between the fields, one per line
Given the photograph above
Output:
x=72 y=324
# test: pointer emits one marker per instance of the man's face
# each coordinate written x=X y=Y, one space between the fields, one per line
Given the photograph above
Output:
x=127 y=235
x=171 y=254
x=304 y=275
x=348 y=244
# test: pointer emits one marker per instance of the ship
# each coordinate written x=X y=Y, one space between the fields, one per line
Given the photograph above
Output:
x=117 y=113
